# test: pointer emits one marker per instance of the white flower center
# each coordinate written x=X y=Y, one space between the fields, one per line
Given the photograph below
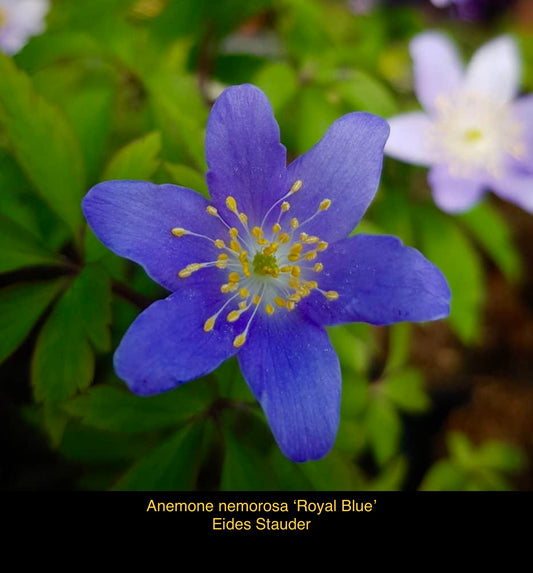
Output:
x=269 y=268
x=473 y=133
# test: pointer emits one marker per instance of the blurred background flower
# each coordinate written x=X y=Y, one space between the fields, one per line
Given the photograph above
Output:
x=19 y=21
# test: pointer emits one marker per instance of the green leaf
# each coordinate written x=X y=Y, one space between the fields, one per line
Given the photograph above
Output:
x=172 y=466
x=383 y=429
x=92 y=288
x=137 y=160
x=43 y=143
x=445 y=245
x=315 y=113
x=491 y=231
x=187 y=177
x=63 y=361
x=362 y=92
x=19 y=248
x=244 y=469
x=406 y=390
x=21 y=305
x=118 y=410
x=444 y=475
x=278 y=81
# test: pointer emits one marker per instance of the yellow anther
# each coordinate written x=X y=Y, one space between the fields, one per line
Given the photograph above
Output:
x=256 y=300
x=271 y=249
x=322 y=246
x=219 y=244
x=234 y=232
x=178 y=232
x=239 y=340
x=235 y=246
x=223 y=257
x=243 y=305
x=209 y=324
x=310 y=255
x=234 y=277
x=312 y=240
x=231 y=204
x=295 y=271
x=293 y=257
x=243 y=257
x=212 y=210
x=284 y=238
x=221 y=264
x=311 y=284
x=285 y=269
x=296 y=248
x=296 y=186
x=303 y=237
x=246 y=270
x=184 y=273
x=269 y=309
x=318 y=268
x=285 y=206
x=276 y=228
x=294 y=223
x=291 y=305
x=281 y=302
x=295 y=298
x=244 y=292
x=257 y=232
x=331 y=295
x=243 y=218
x=233 y=316
x=325 y=205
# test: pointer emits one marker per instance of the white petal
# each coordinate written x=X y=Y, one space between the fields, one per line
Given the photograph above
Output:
x=408 y=138
x=437 y=67
x=494 y=70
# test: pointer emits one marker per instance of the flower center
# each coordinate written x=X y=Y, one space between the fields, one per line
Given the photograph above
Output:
x=269 y=267
x=265 y=264
x=473 y=133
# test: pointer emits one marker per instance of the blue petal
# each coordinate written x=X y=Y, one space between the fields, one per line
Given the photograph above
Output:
x=243 y=151
x=167 y=346
x=344 y=166
x=293 y=371
x=380 y=282
x=135 y=218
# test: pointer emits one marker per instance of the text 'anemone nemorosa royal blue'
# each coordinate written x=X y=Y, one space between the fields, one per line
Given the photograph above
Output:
x=261 y=269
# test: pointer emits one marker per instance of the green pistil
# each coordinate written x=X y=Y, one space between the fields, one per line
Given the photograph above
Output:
x=265 y=264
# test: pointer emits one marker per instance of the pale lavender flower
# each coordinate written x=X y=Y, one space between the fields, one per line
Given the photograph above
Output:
x=19 y=21
x=475 y=133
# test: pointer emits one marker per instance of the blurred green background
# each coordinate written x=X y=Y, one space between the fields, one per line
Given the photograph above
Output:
x=121 y=89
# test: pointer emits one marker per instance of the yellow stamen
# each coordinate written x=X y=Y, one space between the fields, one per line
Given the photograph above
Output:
x=325 y=205
x=269 y=309
x=331 y=295
x=296 y=186
x=239 y=340
x=281 y=302
x=209 y=324
x=318 y=268
x=231 y=204
x=234 y=277
x=212 y=210
x=233 y=316
x=178 y=232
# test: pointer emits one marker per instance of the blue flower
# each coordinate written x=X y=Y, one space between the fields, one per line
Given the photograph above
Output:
x=263 y=268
